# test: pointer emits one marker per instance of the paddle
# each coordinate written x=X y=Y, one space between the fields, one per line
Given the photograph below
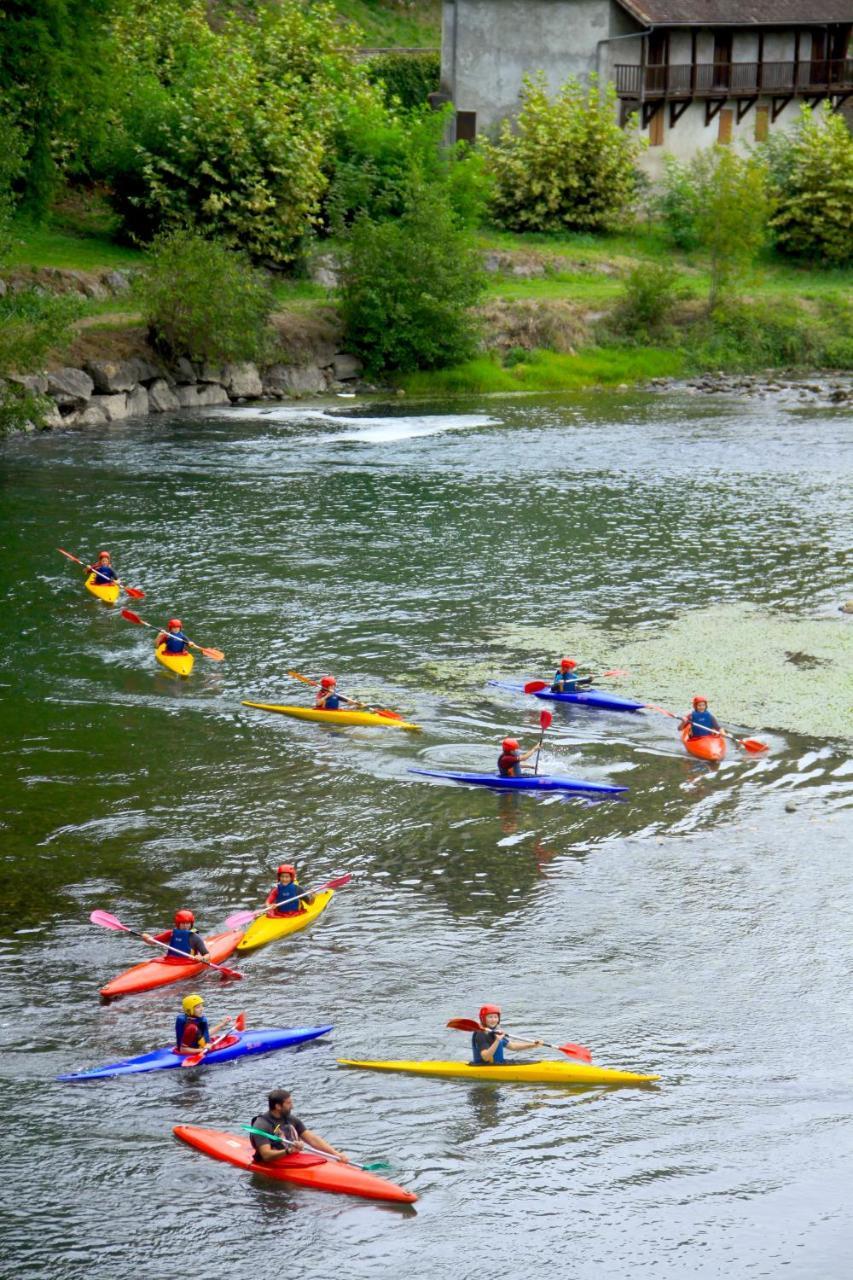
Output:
x=377 y=1164
x=106 y=921
x=195 y=1058
x=536 y=686
x=749 y=744
x=245 y=917
x=133 y=592
x=570 y=1050
x=545 y=719
x=379 y=711
x=216 y=654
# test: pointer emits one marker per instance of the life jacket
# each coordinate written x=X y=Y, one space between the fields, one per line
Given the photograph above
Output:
x=176 y=642
x=498 y=1058
x=509 y=765
x=702 y=723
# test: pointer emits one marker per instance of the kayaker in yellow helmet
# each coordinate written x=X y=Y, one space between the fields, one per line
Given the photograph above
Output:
x=488 y=1044
x=286 y=1132
x=328 y=699
x=700 y=720
x=191 y=1028
x=285 y=897
x=511 y=758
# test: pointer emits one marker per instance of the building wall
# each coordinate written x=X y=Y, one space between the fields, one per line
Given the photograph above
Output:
x=691 y=134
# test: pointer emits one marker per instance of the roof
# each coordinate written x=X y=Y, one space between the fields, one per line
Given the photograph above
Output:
x=739 y=13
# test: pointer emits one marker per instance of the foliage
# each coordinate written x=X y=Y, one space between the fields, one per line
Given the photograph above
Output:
x=12 y=153
x=405 y=78
x=679 y=202
x=21 y=409
x=731 y=223
x=741 y=336
x=204 y=301
x=651 y=291
x=407 y=287
x=542 y=370
x=566 y=164
x=811 y=171
x=32 y=324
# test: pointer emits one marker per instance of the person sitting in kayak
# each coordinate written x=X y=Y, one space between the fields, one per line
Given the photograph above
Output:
x=285 y=897
x=328 y=699
x=511 y=758
x=700 y=720
x=173 y=640
x=182 y=940
x=487 y=1044
x=286 y=1132
x=191 y=1029
x=565 y=681
x=104 y=573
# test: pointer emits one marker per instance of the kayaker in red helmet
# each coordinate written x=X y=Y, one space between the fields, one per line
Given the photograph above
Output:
x=182 y=939
x=286 y=1132
x=488 y=1044
x=173 y=640
x=565 y=680
x=328 y=699
x=700 y=720
x=285 y=897
x=104 y=571
x=511 y=758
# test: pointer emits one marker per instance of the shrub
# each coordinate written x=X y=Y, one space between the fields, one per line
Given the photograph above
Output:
x=404 y=78
x=731 y=224
x=812 y=176
x=648 y=298
x=33 y=324
x=204 y=301
x=407 y=288
x=565 y=164
x=12 y=154
x=678 y=203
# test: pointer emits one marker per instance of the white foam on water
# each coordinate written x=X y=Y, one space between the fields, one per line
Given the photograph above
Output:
x=384 y=430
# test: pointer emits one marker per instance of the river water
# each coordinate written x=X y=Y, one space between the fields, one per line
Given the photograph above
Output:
x=699 y=929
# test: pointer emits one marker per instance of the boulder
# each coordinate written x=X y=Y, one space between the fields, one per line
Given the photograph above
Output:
x=116 y=282
x=143 y=370
x=69 y=387
x=137 y=403
x=346 y=367
x=114 y=407
x=111 y=376
x=161 y=397
x=36 y=383
x=184 y=371
x=212 y=373
x=210 y=394
x=53 y=418
x=92 y=416
x=187 y=396
x=294 y=380
x=325 y=270
x=242 y=380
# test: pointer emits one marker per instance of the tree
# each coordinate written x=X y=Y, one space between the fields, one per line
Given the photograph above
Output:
x=731 y=223
x=811 y=172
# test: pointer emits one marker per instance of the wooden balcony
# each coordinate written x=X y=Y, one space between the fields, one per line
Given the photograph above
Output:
x=822 y=78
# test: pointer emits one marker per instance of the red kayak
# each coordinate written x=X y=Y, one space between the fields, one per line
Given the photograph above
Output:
x=301 y=1168
x=159 y=973
x=710 y=746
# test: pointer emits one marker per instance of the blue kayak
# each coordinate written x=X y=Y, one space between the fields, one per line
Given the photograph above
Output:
x=527 y=782
x=264 y=1040
x=586 y=698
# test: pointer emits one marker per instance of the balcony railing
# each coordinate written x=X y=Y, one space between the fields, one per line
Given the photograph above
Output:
x=734 y=79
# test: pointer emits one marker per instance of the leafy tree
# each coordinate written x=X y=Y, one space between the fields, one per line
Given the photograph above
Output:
x=679 y=201
x=565 y=163
x=731 y=223
x=811 y=174
x=406 y=79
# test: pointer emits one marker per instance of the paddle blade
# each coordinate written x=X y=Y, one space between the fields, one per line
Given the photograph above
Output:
x=388 y=715
x=240 y=1022
x=304 y=679
x=106 y=921
x=615 y=672
x=377 y=1164
x=752 y=744
x=135 y=593
x=216 y=654
x=578 y=1051
x=240 y=918
x=337 y=883
x=536 y=686
x=545 y=719
x=227 y=974
x=193 y=1059
x=464 y=1024
x=133 y=617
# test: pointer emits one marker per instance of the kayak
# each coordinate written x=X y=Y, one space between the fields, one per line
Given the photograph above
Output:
x=530 y=1072
x=240 y=1045
x=302 y=1169
x=267 y=928
x=334 y=717
x=710 y=746
x=527 y=782
x=159 y=973
x=108 y=592
x=596 y=698
x=179 y=663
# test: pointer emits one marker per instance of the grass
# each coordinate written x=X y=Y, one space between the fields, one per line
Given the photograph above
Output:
x=58 y=244
x=549 y=371
x=385 y=25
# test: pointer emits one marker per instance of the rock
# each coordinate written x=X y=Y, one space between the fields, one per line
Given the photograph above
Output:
x=2 y=288
x=137 y=403
x=36 y=383
x=116 y=282
x=187 y=396
x=212 y=373
x=837 y=397
x=69 y=386
x=211 y=394
x=242 y=380
x=143 y=370
x=114 y=407
x=846 y=608
x=161 y=397
x=92 y=416
x=346 y=367
x=790 y=807
x=325 y=270
x=184 y=371
x=110 y=376
x=294 y=380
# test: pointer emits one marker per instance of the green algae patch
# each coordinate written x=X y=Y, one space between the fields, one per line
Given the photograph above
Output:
x=541 y=370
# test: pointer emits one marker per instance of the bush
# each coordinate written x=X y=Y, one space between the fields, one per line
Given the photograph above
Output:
x=812 y=176
x=12 y=155
x=32 y=325
x=732 y=220
x=20 y=409
x=650 y=294
x=204 y=301
x=678 y=203
x=566 y=164
x=407 y=288
x=405 y=79
x=746 y=336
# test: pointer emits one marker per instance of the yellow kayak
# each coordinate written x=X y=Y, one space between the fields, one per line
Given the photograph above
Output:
x=179 y=663
x=267 y=928
x=108 y=592
x=335 y=717
x=532 y=1072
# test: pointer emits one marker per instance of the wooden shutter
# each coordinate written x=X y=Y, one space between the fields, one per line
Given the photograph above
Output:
x=466 y=126
x=724 y=133
x=762 y=123
x=656 y=128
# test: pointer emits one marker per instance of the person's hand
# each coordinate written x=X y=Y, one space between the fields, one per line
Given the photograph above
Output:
x=344 y=1159
x=146 y=937
x=537 y=1044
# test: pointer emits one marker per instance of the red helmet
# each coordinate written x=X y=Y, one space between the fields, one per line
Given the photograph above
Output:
x=287 y=869
x=184 y=917
x=510 y=744
x=568 y=664
x=175 y=622
x=101 y=555
x=487 y=1009
x=699 y=697
x=328 y=682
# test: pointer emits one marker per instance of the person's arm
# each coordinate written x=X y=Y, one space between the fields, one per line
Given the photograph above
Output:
x=198 y=946
x=489 y=1051
x=351 y=702
x=161 y=638
x=270 y=899
x=715 y=722
x=515 y=1045
x=268 y=1152
x=314 y=1140
x=527 y=754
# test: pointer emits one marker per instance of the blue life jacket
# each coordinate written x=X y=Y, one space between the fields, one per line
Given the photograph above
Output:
x=332 y=703
x=702 y=723
x=104 y=573
x=190 y=1030
x=181 y=940
x=498 y=1058
x=176 y=642
x=287 y=898
x=568 y=679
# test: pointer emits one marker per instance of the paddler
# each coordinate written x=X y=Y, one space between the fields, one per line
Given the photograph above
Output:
x=103 y=570
x=700 y=720
x=191 y=1029
x=285 y=897
x=286 y=1132
x=173 y=639
x=488 y=1044
x=565 y=680
x=328 y=699
x=511 y=758
x=182 y=939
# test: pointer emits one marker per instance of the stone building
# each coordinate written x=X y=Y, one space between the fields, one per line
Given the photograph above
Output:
x=694 y=71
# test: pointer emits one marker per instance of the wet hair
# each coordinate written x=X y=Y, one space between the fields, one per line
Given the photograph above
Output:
x=277 y=1096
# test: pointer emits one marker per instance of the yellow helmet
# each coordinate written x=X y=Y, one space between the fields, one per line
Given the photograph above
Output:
x=191 y=1002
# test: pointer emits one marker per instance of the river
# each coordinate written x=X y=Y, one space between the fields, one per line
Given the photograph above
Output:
x=699 y=929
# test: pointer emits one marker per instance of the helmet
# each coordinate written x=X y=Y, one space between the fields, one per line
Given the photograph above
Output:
x=184 y=917
x=175 y=622
x=510 y=744
x=101 y=555
x=287 y=869
x=328 y=682
x=487 y=1009
x=191 y=1002
x=568 y=664
x=699 y=697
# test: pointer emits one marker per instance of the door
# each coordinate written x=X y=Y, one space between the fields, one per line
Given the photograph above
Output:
x=818 y=71
x=722 y=60
x=657 y=53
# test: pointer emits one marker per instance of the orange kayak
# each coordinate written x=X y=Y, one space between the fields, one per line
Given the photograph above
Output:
x=710 y=746
x=159 y=973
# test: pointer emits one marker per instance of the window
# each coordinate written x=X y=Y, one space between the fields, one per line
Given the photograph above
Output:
x=466 y=126
x=656 y=129
x=724 y=132
x=722 y=59
x=762 y=123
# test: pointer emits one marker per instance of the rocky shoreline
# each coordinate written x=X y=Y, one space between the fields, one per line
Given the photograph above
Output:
x=825 y=388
